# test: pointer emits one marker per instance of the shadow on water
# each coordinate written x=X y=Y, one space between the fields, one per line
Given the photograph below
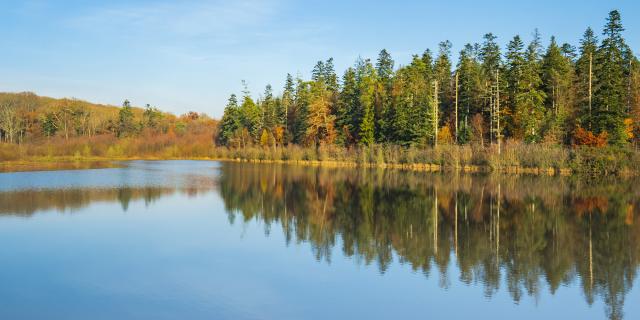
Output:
x=527 y=230
x=525 y=233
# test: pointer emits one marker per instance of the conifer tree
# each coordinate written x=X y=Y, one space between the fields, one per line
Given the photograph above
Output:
x=470 y=86
x=442 y=69
x=367 y=79
x=515 y=62
x=285 y=106
x=268 y=106
x=384 y=69
x=530 y=98
x=251 y=115
x=230 y=124
x=557 y=76
x=346 y=119
x=610 y=89
x=585 y=78
x=299 y=113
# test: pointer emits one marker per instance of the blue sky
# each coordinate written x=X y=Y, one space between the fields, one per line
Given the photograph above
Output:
x=190 y=55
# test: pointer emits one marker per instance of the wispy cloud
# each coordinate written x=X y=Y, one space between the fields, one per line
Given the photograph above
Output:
x=180 y=19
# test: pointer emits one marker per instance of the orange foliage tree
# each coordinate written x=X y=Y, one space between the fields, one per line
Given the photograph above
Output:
x=582 y=137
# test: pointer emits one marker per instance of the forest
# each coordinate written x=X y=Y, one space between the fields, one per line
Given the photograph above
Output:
x=533 y=105
x=33 y=126
x=552 y=94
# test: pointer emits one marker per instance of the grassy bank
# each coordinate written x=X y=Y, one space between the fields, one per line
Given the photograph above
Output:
x=513 y=157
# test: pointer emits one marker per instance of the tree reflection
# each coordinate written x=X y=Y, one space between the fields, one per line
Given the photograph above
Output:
x=529 y=230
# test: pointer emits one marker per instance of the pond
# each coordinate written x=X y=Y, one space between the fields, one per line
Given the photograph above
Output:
x=211 y=240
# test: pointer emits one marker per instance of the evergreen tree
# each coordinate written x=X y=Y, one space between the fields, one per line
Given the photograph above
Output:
x=410 y=118
x=299 y=113
x=442 y=69
x=610 y=90
x=585 y=75
x=490 y=55
x=268 y=106
x=231 y=123
x=126 y=126
x=49 y=127
x=367 y=80
x=251 y=116
x=347 y=119
x=469 y=89
x=285 y=106
x=557 y=76
x=318 y=72
x=330 y=77
x=384 y=69
x=530 y=98
x=515 y=62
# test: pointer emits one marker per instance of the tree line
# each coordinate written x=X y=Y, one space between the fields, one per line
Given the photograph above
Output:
x=26 y=117
x=560 y=94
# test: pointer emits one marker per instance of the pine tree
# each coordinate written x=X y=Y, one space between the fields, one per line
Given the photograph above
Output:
x=530 y=98
x=442 y=69
x=470 y=89
x=490 y=55
x=410 y=116
x=610 y=89
x=125 y=120
x=300 y=109
x=367 y=79
x=251 y=116
x=491 y=61
x=346 y=117
x=231 y=123
x=515 y=62
x=285 y=106
x=318 y=72
x=330 y=77
x=557 y=76
x=384 y=69
x=268 y=106
x=49 y=127
x=585 y=78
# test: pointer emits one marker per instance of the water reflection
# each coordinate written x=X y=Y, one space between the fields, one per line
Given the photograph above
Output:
x=528 y=230
x=519 y=234
x=28 y=202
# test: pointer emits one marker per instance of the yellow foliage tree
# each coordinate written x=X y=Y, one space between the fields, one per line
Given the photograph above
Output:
x=265 y=138
x=445 y=136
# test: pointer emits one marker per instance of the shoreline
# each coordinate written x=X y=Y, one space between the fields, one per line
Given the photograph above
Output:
x=69 y=162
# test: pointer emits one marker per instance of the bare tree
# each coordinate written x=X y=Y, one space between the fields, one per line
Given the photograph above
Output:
x=10 y=122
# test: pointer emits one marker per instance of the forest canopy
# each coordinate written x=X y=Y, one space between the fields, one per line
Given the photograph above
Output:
x=534 y=92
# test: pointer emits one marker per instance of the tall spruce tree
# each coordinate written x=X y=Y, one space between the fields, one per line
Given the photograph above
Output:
x=367 y=80
x=557 y=76
x=230 y=124
x=585 y=78
x=251 y=115
x=347 y=119
x=610 y=90
x=442 y=68
x=530 y=98
x=384 y=69
x=470 y=89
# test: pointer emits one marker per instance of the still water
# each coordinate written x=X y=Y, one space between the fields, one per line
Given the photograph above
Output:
x=207 y=240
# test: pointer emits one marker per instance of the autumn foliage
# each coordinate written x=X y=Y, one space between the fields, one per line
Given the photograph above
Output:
x=583 y=137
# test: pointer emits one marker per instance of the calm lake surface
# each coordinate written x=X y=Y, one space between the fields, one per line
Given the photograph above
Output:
x=208 y=240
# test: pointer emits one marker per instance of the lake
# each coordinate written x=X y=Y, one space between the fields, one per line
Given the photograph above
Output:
x=210 y=240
